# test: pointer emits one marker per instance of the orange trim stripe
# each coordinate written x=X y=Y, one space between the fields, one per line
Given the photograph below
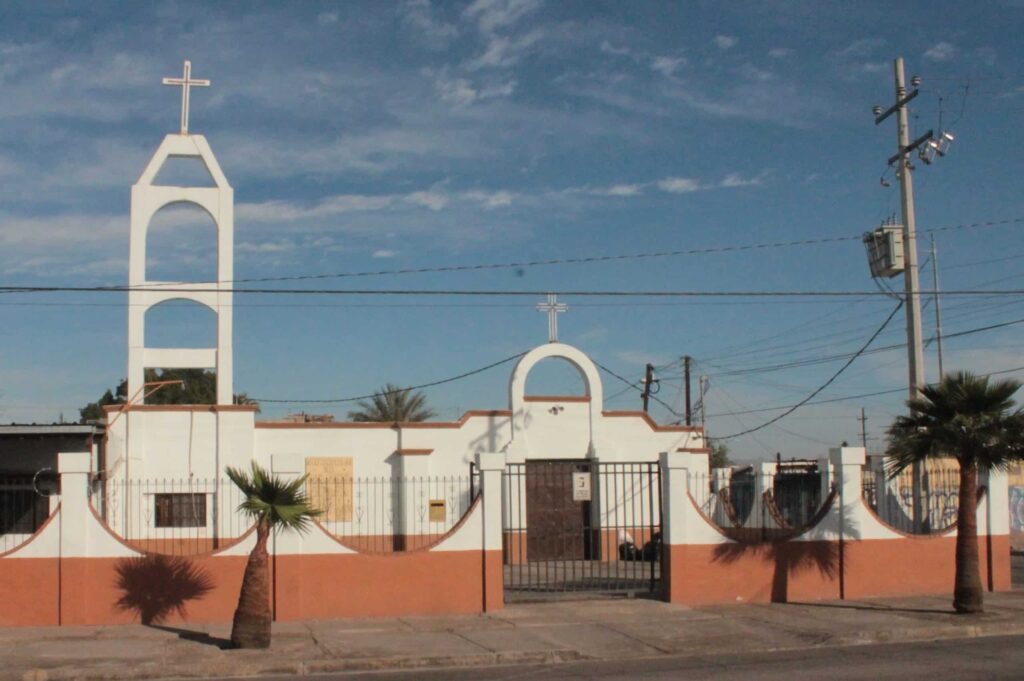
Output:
x=556 y=398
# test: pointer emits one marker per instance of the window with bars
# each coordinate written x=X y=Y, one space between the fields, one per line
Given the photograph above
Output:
x=180 y=510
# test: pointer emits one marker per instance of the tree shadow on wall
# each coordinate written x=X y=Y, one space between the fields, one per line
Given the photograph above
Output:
x=791 y=558
x=155 y=586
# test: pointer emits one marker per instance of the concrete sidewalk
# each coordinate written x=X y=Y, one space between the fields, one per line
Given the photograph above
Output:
x=529 y=633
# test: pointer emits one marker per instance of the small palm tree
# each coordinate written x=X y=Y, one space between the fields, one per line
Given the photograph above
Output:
x=392 y=404
x=272 y=503
x=966 y=417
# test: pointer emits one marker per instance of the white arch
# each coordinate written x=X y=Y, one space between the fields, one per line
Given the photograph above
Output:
x=517 y=389
x=205 y=207
x=209 y=311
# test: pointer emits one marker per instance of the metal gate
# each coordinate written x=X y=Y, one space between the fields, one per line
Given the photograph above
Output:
x=576 y=527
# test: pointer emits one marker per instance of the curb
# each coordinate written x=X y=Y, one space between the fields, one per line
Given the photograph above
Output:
x=270 y=666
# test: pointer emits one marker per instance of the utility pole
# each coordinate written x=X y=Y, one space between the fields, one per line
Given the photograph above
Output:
x=911 y=285
x=863 y=429
x=648 y=380
x=702 y=388
x=938 y=309
x=686 y=382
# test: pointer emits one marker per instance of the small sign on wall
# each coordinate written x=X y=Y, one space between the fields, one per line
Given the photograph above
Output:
x=581 y=486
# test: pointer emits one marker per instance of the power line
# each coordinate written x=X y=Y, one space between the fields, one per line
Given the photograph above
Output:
x=413 y=387
x=844 y=399
x=823 y=385
x=535 y=263
x=636 y=386
x=832 y=358
x=497 y=292
x=602 y=258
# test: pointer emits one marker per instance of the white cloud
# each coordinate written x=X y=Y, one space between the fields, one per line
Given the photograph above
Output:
x=66 y=230
x=428 y=199
x=861 y=48
x=502 y=51
x=383 y=253
x=622 y=190
x=286 y=211
x=461 y=92
x=493 y=14
x=608 y=48
x=327 y=18
x=874 y=66
x=496 y=199
x=751 y=72
x=736 y=180
x=458 y=92
x=725 y=42
x=667 y=65
x=419 y=14
x=678 y=185
x=265 y=247
x=941 y=52
x=780 y=52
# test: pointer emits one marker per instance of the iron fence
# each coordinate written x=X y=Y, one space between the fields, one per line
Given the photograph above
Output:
x=386 y=514
x=581 y=526
x=178 y=517
x=892 y=499
x=755 y=506
x=26 y=502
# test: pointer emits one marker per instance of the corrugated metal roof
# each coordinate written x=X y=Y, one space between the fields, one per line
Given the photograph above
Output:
x=52 y=429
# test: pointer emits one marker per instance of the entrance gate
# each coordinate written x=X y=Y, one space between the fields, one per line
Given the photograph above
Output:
x=577 y=526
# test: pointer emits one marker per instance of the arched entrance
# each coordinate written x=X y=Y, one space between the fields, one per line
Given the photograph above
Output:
x=573 y=524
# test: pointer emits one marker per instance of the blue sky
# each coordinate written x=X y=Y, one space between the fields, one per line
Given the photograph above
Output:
x=387 y=136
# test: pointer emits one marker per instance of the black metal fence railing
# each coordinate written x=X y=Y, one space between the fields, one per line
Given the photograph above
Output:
x=575 y=526
x=183 y=517
x=26 y=502
x=756 y=506
x=384 y=514
x=892 y=499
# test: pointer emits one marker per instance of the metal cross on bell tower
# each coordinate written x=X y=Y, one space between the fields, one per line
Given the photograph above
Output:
x=185 y=83
x=553 y=308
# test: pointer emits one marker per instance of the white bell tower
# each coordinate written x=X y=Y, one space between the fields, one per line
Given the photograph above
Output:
x=218 y=202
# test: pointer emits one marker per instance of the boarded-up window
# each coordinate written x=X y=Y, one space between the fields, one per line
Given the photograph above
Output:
x=329 y=486
x=180 y=510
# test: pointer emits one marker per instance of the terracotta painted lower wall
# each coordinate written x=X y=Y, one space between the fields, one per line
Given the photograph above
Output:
x=807 y=571
x=29 y=594
x=75 y=591
x=83 y=591
x=354 y=585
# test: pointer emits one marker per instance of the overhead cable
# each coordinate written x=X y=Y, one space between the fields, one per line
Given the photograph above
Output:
x=823 y=385
x=412 y=387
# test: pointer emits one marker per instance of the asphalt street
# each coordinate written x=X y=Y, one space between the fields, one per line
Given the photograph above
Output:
x=989 y=658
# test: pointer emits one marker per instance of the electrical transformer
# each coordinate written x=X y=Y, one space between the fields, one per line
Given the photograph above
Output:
x=885 y=250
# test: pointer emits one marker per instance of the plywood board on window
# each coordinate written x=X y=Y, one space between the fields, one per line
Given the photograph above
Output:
x=329 y=485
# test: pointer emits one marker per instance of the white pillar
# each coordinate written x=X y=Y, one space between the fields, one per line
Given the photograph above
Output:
x=287 y=467
x=413 y=496
x=491 y=466
x=74 y=503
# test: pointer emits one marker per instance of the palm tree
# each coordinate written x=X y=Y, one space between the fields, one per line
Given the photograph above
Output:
x=392 y=404
x=272 y=503
x=966 y=417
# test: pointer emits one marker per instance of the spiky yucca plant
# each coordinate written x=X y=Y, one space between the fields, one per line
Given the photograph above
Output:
x=273 y=504
x=972 y=420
